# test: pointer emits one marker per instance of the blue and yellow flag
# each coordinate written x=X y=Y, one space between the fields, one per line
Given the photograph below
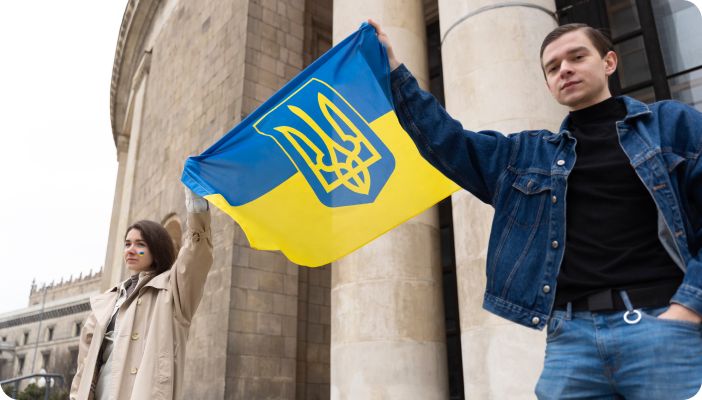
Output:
x=323 y=167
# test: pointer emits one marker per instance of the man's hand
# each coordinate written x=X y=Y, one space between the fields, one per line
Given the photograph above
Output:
x=681 y=313
x=385 y=40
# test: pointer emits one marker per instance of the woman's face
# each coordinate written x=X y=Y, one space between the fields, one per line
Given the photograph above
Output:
x=137 y=256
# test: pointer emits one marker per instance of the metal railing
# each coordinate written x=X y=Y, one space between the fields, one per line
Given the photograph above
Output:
x=47 y=387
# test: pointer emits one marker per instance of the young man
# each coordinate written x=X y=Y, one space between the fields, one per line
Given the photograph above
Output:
x=597 y=228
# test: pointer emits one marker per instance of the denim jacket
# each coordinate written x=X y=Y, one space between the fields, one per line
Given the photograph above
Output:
x=524 y=176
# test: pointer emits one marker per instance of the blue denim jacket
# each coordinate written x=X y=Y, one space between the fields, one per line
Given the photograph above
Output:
x=524 y=176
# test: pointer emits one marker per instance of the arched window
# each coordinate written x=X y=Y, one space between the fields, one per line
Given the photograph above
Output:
x=174 y=229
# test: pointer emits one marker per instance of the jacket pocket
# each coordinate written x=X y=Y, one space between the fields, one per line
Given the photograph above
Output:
x=529 y=198
x=165 y=369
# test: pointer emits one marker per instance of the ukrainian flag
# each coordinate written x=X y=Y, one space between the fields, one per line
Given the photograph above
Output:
x=323 y=167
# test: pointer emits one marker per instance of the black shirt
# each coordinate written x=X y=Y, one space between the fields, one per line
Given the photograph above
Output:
x=611 y=219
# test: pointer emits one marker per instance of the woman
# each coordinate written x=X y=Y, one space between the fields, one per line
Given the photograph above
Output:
x=132 y=344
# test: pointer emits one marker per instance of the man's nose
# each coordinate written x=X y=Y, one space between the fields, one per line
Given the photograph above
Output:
x=566 y=68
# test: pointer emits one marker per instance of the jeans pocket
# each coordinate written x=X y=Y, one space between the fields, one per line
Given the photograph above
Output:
x=554 y=328
x=652 y=315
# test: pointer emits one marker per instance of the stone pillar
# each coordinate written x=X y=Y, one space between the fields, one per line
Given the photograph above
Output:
x=388 y=338
x=494 y=81
x=114 y=271
x=122 y=147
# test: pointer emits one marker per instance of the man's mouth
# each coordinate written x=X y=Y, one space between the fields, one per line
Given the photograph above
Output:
x=569 y=84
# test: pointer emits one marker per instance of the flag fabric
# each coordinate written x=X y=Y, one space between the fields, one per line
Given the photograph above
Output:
x=322 y=167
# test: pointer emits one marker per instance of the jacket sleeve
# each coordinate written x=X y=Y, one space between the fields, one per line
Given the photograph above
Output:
x=189 y=273
x=689 y=293
x=86 y=337
x=474 y=160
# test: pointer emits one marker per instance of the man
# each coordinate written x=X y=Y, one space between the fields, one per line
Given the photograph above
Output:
x=612 y=265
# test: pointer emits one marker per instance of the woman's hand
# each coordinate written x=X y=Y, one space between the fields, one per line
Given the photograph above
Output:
x=195 y=203
x=385 y=40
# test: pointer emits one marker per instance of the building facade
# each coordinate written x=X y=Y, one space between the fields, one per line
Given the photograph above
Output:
x=400 y=318
x=45 y=335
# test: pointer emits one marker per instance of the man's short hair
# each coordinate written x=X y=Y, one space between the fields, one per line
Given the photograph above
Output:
x=602 y=43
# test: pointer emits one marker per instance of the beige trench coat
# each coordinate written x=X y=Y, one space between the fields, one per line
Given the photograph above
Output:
x=149 y=351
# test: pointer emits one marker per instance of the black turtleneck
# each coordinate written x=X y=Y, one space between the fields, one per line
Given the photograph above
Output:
x=611 y=219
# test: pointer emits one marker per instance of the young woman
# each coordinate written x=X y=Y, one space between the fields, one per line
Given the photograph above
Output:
x=132 y=344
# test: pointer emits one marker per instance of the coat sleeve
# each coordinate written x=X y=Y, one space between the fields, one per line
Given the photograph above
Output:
x=473 y=160
x=189 y=273
x=86 y=337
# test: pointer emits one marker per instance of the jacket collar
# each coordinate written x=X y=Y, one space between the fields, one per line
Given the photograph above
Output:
x=160 y=281
x=634 y=109
x=103 y=304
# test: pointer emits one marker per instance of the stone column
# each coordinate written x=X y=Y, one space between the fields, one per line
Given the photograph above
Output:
x=388 y=339
x=494 y=81
x=122 y=151
x=114 y=270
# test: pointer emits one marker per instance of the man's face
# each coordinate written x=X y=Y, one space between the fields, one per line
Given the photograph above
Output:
x=576 y=74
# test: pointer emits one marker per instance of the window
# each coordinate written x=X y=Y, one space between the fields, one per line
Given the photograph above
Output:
x=20 y=364
x=74 y=360
x=45 y=358
x=49 y=333
x=660 y=55
x=76 y=328
x=4 y=338
x=26 y=338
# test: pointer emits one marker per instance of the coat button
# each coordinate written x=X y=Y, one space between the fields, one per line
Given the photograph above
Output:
x=139 y=301
x=135 y=336
x=535 y=320
x=546 y=288
x=133 y=371
x=554 y=199
x=560 y=162
x=554 y=244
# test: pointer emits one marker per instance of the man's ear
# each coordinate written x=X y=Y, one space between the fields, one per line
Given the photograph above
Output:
x=611 y=60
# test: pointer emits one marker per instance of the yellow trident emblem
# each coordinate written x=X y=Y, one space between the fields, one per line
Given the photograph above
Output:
x=352 y=171
x=330 y=143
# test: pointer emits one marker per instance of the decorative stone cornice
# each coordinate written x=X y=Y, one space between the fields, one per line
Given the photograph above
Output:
x=135 y=26
x=47 y=314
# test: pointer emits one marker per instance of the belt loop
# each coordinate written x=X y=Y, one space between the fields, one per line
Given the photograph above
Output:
x=629 y=309
x=625 y=299
x=569 y=311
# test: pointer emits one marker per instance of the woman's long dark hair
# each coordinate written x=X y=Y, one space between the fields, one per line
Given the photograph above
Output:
x=159 y=242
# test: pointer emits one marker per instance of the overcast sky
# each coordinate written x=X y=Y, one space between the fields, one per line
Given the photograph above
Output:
x=57 y=156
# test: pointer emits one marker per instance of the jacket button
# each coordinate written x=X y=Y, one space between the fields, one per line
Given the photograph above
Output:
x=139 y=301
x=554 y=199
x=535 y=320
x=135 y=336
x=546 y=288
x=554 y=244
x=133 y=371
x=560 y=162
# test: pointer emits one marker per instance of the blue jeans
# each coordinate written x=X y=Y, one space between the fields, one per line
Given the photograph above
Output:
x=598 y=355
